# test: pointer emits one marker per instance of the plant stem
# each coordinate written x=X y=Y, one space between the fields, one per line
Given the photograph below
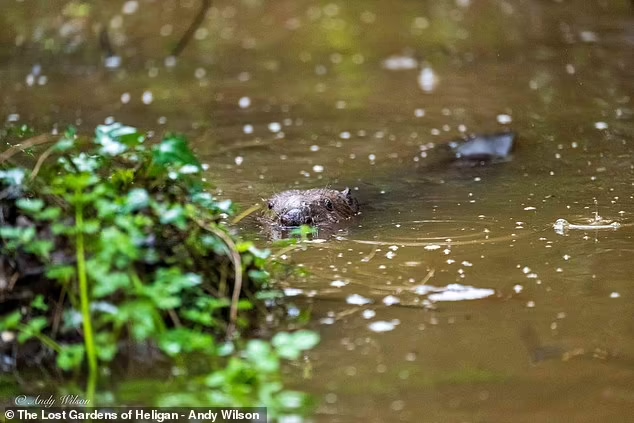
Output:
x=89 y=338
x=42 y=338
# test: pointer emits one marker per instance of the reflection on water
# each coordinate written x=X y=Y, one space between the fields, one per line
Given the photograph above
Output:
x=302 y=94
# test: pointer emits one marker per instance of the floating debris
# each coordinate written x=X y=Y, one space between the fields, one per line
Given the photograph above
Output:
x=561 y=226
x=356 y=299
x=457 y=292
x=293 y=292
x=427 y=79
x=400 y=63
x=368 y=314
x=383 y=326
x=453 y=292
x=391 y=300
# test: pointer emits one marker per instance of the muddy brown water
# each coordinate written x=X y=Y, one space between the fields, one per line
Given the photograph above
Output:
x=301 y=94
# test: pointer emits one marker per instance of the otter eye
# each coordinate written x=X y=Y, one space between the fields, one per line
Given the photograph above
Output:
x=328 y=204
x=270 y=205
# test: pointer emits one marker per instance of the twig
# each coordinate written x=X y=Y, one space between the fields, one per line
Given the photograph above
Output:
x=40 y=161
x=246 y=213
x=237 y=264
x=187 y=36
x=40 y=139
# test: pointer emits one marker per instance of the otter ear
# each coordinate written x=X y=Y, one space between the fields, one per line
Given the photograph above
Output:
x=346 y=194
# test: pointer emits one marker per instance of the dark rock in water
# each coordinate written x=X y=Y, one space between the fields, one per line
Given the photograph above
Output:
x=315 y=207
x=484 y=148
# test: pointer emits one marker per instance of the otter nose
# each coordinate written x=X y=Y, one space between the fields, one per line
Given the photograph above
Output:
x=295 y=217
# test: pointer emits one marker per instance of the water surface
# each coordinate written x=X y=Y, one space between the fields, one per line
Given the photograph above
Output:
x=302 y=94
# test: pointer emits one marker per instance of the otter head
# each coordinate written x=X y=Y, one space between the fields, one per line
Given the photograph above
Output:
x=312 y=207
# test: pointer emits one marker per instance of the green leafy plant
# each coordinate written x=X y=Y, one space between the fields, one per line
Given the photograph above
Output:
x=128 y=236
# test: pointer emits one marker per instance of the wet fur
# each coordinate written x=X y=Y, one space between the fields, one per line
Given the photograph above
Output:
x=315 y=207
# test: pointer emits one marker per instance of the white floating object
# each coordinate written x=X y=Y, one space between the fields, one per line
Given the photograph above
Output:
x=293 y=292
x=244 y=102
x=383 y=326
x=368 y=314
x=427 y=79
x=457 y=292
x=400 y=63
x=391 y=300
x=356 y=299
x=504 y=119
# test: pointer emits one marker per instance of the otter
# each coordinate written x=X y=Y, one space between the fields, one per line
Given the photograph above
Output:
x=315 y=207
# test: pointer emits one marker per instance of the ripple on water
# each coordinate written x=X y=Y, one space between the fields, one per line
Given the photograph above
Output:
x=433 y=234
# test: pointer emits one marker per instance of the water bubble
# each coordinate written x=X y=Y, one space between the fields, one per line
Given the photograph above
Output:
x=318 y=168
x=368 y=17
x=166 y=30
x=244 y=102
x=391 y=300
x=368 y=314
x=112 y=62
x=504 y=119
x=201 y=33
x=292 y=292
x=170 y=61
x=275 y=127
x=427 y=79
x=381 y=326
x=396 y=63
x=238 y=160
x=356 y=299
x=200 y=73
x=588 y=36
x=247 y=129
x=130 y=7
x=147 y=97
x=125 y=98
x=601 y=125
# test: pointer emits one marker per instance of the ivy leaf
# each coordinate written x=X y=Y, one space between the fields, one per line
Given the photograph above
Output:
x=70 y=357
x=179 y=341
x=39 y=304
x=106 y=346
x=137 y=199
x=61 y=273
x=31 y=329
x=11 y=321
x=30 y=205
x=116 y=138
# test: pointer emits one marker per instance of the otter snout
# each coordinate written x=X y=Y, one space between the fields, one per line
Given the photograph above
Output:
x=296 y=217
